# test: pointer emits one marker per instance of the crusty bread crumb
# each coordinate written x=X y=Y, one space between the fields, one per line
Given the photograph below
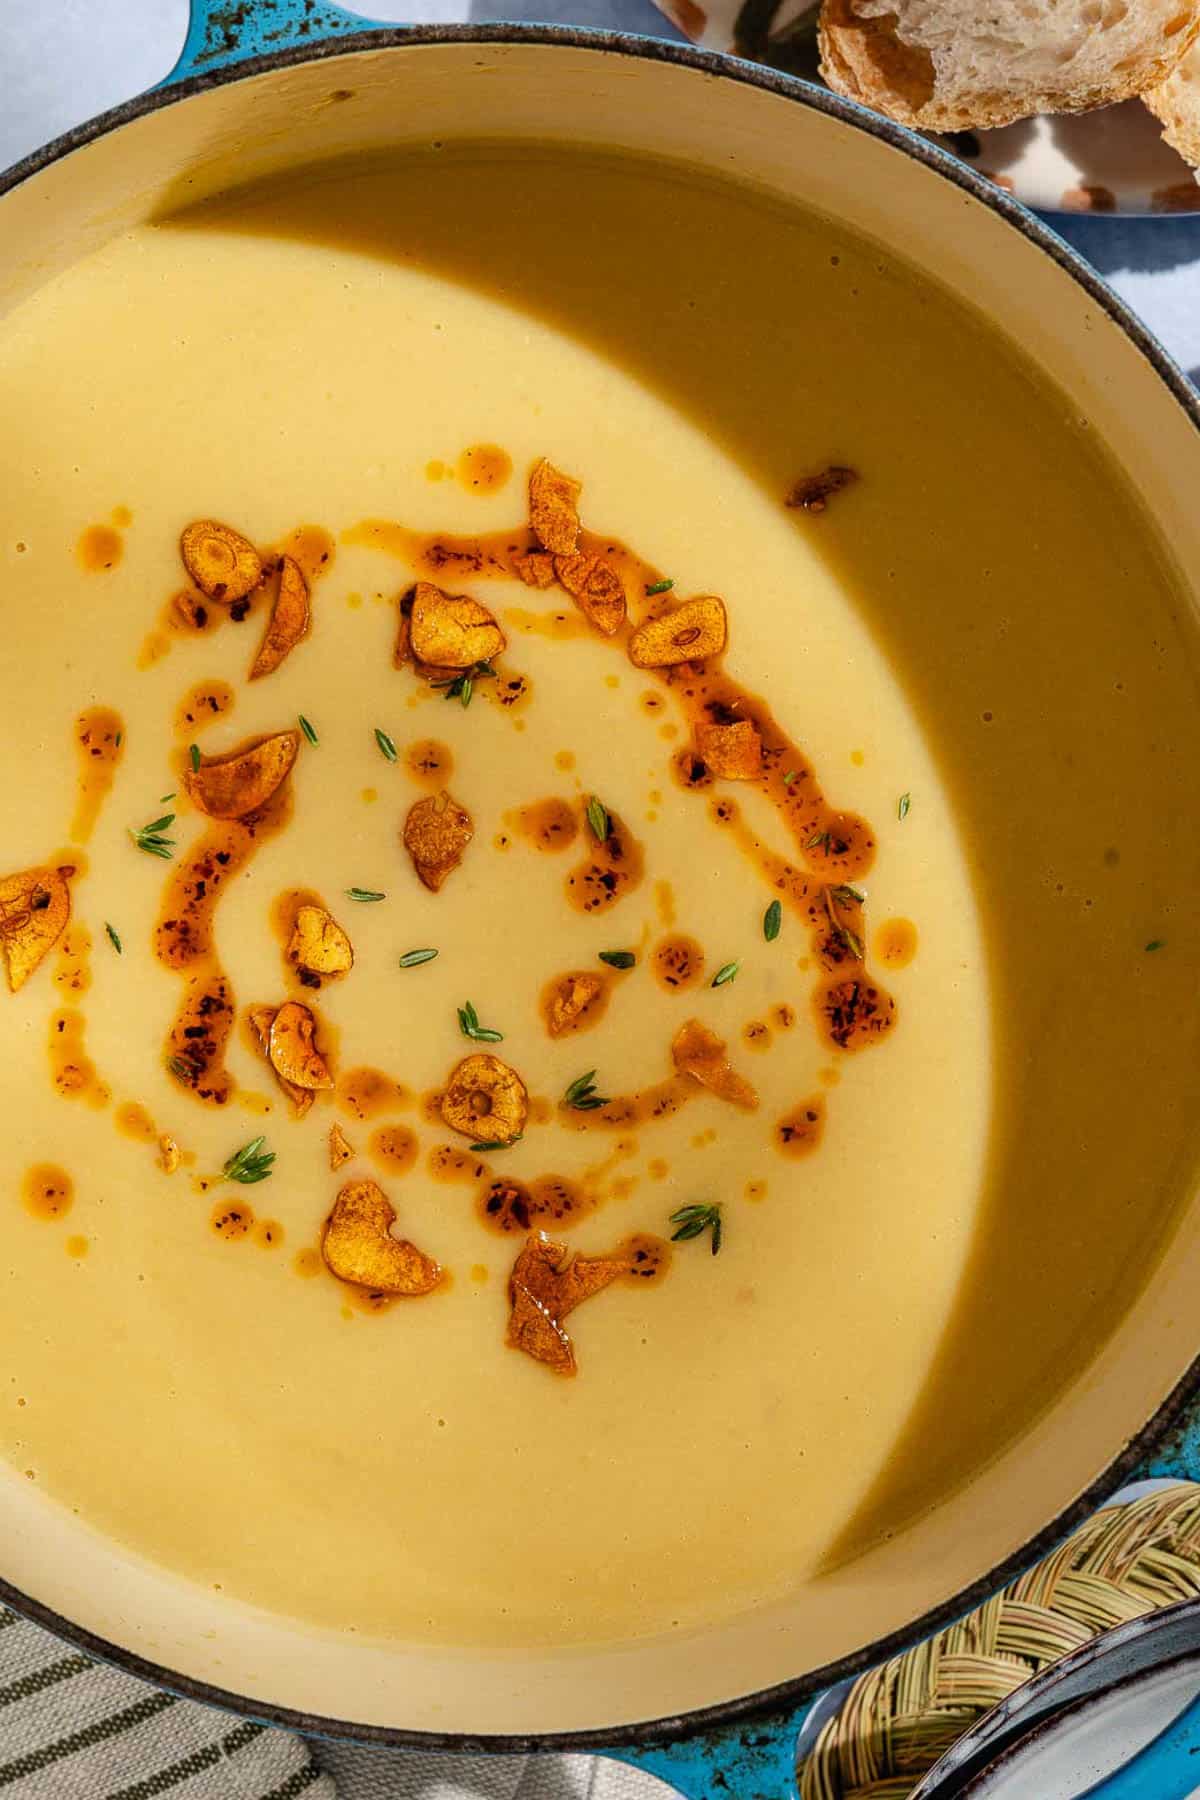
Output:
x=1176 y=101
x=950 y=65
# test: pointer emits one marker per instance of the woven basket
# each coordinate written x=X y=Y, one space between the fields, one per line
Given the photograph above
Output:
x=900 y=1718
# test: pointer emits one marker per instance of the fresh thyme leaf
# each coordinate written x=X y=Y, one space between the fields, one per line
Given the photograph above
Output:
x=790 y=777
x=598 y=819
x=902 y=806
x=582 y=1095
x=694 y=1221
x=726 y=973
x=468 y=1024
x=113 y=939
x=411 y=958
x=150 y=837
x=1157 y=944
x=497 y=1143
x=249 y=1164
x=844 y=893
x=179 y=1068
x=194 y=755
x=385 y=743
x=119 y=739
x=357 y=893
x=818 y=841
x=461 y=687
x=163 y=798
x=773 y=921
x=618 y=959
x=659 y=587
x=309 y=729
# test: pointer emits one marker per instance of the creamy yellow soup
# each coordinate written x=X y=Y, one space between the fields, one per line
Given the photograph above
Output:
x=361 y=371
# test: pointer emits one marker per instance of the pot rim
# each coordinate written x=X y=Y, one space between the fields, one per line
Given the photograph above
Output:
x=790 y=1694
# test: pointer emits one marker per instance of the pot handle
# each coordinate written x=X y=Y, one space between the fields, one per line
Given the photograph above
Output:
x=221 y=33
x=754 y=1760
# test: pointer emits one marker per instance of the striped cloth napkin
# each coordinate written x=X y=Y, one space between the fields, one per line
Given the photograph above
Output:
x=74 y=1729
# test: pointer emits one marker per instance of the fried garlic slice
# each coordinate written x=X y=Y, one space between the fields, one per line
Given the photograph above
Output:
x=292 y=1048
x=486 y=1099
x=222 y=563
x=571 y=999
x=700 y=1053
x=358 y=1246
x=261 y=1020
x=694 y=631
x=536 y=568
x=35 y=907
x=596 y=589
x=319 y=944
x=553 y=511
x=731 y=751
x=229 y=787
x=452 y=631
x=436 y=833
x=340 y=1148
x=548 y=1281
x=289 y=621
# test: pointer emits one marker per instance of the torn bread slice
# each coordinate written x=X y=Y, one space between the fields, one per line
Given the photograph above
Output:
x=950 y=65
x=1176 y=101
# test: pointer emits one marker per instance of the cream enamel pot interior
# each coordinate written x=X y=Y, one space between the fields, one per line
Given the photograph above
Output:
x=273 y=113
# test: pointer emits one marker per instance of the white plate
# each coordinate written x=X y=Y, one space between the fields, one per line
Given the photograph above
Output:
x=1111 y=160
x=1092 y=1741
